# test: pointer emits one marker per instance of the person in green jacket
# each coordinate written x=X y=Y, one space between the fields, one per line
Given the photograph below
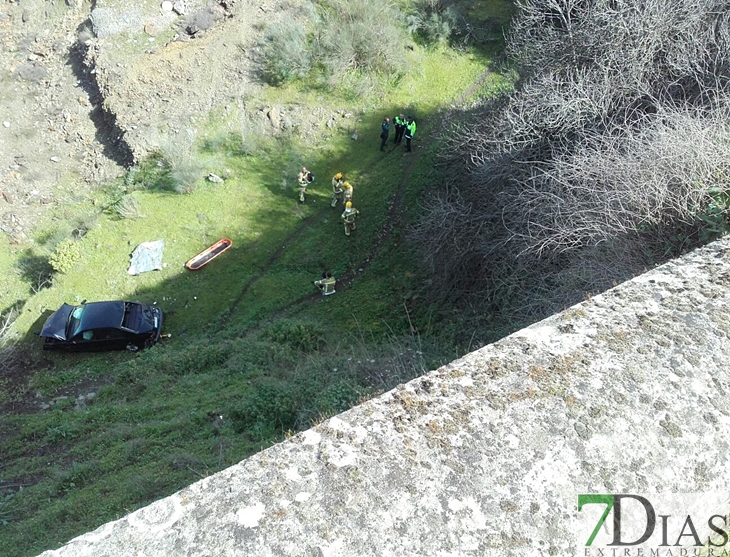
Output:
x=384 y=131
x=409 y=132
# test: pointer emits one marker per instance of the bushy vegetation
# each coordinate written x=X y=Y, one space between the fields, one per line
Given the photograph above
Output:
x=285 y=52
x=306 y=337
x=270 y=409
x=174 y=166
x=128 y=207
x=65 y=256
x=338 y=37
x=611 y=154
x=360 y=35
x=436 y=21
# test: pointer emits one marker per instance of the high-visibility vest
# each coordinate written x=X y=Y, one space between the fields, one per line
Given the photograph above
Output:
x=327 y=284
x=410 y=130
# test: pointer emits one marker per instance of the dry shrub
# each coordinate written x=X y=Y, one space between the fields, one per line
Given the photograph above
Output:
x=128 y=207
x=363 y=35
x=340 y=37
x=186 y=170
x=285 y=52
x=615 y=143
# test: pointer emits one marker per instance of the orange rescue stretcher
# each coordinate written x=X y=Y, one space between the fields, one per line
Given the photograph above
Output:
x=208 y=254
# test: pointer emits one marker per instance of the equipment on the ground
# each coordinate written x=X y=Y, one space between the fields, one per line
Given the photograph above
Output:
x=208 y=254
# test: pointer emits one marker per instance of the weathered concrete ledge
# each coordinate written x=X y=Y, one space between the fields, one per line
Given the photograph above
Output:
x=626 y=392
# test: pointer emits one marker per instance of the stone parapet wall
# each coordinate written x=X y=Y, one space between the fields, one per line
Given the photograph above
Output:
x=627 y=392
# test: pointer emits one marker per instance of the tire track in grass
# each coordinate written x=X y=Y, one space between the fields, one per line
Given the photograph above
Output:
x=393 y=218
x=395 y=210
x=306 y=223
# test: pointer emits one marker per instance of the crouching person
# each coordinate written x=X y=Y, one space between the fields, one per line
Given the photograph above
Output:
x=327 y=284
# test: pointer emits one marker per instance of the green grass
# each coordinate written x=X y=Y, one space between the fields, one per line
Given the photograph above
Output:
x=254 y=351
x=12 y=285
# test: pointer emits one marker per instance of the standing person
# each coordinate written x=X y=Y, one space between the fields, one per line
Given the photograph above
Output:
x=348 y=217
x=337 y=191
x=384 y=132
x=304 y=178
x=327 y=284
x=400 y=126
x=409 y=132
x=347 y=192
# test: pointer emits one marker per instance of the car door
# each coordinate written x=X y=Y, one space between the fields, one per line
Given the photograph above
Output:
x=99 y=339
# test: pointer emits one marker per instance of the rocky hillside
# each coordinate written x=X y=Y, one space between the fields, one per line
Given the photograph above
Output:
x=88 y=88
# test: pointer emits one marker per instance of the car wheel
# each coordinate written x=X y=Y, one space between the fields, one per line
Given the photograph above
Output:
x=132 y=347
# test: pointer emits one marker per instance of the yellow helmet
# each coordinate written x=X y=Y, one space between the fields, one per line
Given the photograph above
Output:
x=338 y=176
x=348 y=204
x=347 y=185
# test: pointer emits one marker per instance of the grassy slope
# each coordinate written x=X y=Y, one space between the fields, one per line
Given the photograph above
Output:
x=250 y=342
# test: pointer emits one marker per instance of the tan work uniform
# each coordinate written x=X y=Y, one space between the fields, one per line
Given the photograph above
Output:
x=347 y=193
x=337 y=191
x=326 y=285
x=303 y=183
x=349 y=219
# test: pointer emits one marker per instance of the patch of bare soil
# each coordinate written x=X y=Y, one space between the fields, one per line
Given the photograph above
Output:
x=49 y=148
x=87 y=88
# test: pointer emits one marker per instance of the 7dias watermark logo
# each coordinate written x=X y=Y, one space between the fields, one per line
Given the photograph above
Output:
x=659 y=525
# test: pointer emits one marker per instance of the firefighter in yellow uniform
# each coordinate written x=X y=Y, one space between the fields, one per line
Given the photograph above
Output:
x=337 y=191
x=347 y=191
x=348 y=217
x=327 y=284
x=304 y=178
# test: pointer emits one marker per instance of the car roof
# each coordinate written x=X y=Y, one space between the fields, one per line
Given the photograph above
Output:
x=102 y=315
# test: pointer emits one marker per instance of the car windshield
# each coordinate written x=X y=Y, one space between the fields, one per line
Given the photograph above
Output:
x=74 y=321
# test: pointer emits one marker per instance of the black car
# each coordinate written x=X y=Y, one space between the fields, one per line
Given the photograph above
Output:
x=103 y=326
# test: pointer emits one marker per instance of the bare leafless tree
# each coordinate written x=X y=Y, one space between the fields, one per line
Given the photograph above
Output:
x=615 y=141
x=6 y=322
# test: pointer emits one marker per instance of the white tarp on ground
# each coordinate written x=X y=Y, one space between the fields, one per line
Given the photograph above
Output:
x=147 y=257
